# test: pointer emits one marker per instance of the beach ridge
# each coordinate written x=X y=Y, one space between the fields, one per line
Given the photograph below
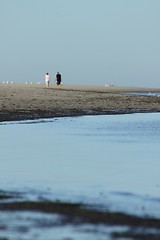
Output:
x=26 y=102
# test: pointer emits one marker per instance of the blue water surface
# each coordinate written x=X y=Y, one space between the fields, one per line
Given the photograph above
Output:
x=111 y=161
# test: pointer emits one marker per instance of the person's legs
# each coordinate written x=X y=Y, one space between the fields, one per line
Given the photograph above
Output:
x=58 y=83
x=47 y=84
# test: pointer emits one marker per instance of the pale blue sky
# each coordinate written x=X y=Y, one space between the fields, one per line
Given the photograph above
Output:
x=89 y=41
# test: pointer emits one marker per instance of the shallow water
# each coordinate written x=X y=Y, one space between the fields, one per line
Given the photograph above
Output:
x=109 y=161
x=144 y=93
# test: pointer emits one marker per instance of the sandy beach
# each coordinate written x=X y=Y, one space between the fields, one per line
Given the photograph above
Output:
x=22 y=101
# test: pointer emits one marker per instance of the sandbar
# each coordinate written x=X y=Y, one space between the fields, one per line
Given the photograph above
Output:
x=35 y=101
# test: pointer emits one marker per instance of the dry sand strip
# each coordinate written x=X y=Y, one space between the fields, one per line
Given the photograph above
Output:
x=24 y=102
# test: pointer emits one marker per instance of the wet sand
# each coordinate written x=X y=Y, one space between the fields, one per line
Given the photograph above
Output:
x=78 y=214
x=22 y=102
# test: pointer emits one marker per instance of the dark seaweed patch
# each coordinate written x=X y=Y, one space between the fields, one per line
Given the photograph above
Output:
x=78 y=213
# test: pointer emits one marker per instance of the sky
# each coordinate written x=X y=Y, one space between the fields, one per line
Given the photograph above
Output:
x=90 y=42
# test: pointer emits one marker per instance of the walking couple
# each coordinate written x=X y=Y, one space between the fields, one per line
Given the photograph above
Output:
x=58 y=79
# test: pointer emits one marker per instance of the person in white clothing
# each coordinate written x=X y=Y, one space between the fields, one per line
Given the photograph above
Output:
x=47 y=79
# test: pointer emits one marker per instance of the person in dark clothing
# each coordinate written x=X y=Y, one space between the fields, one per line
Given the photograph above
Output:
x=58 y=79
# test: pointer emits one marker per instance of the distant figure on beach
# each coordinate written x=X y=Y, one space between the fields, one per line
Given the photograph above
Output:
x=58 y=79
x=47 y=79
